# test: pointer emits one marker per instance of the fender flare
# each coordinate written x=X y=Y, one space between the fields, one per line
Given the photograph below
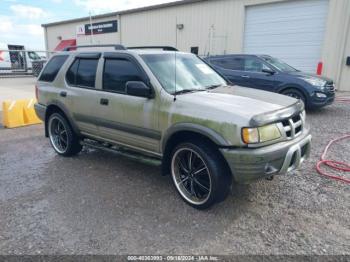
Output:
x=211 y=134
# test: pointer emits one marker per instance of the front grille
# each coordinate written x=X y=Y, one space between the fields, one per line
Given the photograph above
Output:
x=293 y=126
x=330 y=86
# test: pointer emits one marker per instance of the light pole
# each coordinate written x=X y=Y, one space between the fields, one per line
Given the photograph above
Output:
x=91 y=30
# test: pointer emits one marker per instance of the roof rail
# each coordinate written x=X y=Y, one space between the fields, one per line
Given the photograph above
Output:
x=164 y=48
x=116 y=47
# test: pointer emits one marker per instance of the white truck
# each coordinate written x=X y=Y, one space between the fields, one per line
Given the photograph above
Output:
x=16 y=58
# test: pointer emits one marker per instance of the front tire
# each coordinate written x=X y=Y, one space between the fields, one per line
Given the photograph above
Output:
x=62 y=137
x=295 y=94
x=200 y=175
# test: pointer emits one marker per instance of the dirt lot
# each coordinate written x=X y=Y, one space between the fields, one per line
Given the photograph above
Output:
x=100 y=203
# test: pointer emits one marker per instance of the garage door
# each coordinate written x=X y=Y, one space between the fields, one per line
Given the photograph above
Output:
x=292 y=31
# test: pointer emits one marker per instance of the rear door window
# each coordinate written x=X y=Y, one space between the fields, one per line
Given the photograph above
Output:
x=82 y=73
x=52 y=68
x=119 y=71
x=86 y=74
x=230 y=63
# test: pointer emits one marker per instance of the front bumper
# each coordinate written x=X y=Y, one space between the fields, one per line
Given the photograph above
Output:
x=316 y=102
x=248 y=165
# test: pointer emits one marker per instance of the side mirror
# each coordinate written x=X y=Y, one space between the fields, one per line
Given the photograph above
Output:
x=268 y=71
x=138 y=88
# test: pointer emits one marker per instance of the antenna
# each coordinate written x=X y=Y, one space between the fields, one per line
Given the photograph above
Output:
x=175 y=76
x=175 y=57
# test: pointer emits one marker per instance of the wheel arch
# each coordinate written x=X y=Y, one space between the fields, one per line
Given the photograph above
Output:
x=291 y=86
x=59 y=107
x=187 y=132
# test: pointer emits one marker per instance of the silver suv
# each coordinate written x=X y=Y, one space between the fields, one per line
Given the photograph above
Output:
x=174 y=107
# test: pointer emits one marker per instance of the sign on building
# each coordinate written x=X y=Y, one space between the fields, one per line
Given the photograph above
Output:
x=80 y=30
x=98 y=28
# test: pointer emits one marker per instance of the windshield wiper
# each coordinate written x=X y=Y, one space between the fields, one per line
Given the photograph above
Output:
x=185 y=91
x=212 y=86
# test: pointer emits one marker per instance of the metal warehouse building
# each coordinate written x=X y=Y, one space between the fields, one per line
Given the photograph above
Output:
x=303 y=33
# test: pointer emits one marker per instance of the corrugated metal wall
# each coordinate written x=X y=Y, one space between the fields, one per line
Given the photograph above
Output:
x=200 y=20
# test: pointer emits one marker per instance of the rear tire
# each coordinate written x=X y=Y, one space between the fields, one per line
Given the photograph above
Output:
x=62 y=137
x=295 y=94
x=200 y=175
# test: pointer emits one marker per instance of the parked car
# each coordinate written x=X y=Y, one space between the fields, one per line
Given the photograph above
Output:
x=271 y=74
x=206 y=133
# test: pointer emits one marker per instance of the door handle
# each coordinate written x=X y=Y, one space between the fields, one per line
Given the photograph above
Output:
x=104 y=101
x=245 y=76
x=63 y=94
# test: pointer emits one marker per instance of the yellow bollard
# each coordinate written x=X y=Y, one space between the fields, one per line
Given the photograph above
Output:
x=29 y=115
x=18 y=113
x=12 y=113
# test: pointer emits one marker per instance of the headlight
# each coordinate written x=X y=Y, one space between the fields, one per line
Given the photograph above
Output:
x=260 y=134
x=317 y=82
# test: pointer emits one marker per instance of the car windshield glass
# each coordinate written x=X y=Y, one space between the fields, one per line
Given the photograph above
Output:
x=191 y=73
x=280 y=65
x=33 y=56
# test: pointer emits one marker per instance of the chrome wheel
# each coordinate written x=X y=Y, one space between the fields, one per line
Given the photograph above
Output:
x=294 y=95
x=58 y=134
x=191 y=176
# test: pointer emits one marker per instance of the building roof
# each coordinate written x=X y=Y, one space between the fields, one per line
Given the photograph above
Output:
x=129 y=11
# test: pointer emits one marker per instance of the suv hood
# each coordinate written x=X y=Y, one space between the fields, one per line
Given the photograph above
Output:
x=308 y=75
x=233 y=103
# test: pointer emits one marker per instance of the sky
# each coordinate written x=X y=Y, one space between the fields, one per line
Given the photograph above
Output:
x=20 y=20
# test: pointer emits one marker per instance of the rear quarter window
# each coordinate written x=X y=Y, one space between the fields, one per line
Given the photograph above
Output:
x=52 y=68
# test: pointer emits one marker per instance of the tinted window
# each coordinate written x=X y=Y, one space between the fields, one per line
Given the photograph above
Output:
x=51 y=69
x=86 y=73
x=232 y=63
x=72 y=73
x=252 y=64
x=284 y=67
x=119 y=71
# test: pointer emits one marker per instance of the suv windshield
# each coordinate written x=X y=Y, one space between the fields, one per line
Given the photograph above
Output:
x=191 y=73
x=280 y=65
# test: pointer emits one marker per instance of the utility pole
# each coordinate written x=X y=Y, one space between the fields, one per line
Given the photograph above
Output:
x=91 y=30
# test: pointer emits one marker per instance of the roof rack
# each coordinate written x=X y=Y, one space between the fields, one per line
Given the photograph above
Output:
x=164 y=48
x=116 y=47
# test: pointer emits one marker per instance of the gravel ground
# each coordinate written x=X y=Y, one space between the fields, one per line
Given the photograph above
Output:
x=100 y=203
